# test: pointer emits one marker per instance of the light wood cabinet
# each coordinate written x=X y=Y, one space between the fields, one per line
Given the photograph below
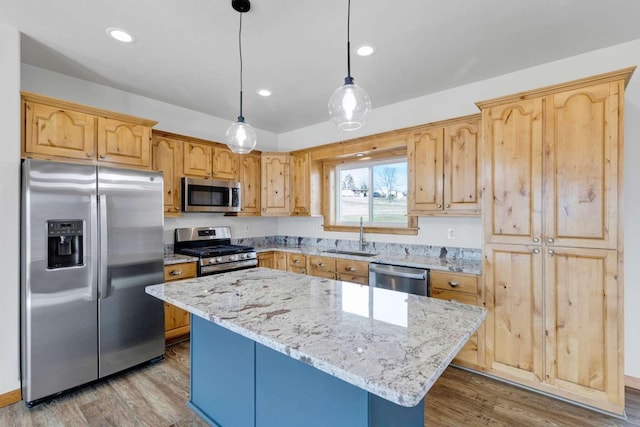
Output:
x=462 y=288
x=551 y=219
x=300 y=184
x=166 y=155
x=176 y=320
x=197 y=159
x=297 y=263
x=59 y=130
x=225 y=164
x=124 y=143
x=321 y=266
x=280 y=260
x=265 y=259
x=352 y=271
x=250 y=182
x=275 y=184
x=443 y=161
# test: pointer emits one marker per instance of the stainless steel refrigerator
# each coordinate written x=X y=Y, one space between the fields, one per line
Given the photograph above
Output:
x=91 y=240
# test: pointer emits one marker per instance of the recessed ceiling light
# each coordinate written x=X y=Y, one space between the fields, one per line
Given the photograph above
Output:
x=365 y=50
x=120 y=35
x=264 y=92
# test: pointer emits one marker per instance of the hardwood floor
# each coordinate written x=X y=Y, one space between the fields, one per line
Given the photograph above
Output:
x=156 y=395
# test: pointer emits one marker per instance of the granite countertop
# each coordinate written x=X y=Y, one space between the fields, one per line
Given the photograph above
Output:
x=391 y=344
x=178 y=259
x=406 y=260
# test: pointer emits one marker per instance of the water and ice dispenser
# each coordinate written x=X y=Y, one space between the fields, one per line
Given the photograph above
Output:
x=65 y=243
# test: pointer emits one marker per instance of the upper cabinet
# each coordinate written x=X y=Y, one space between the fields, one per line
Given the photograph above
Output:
x=56 y=129
x=166 y=155
x=300 y=184
x=275 y=184
x=225 y=164
x=206 y=160
x=444 y=168
x=250 y=182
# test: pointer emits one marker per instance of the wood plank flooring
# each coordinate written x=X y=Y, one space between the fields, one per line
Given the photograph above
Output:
x=156 y=395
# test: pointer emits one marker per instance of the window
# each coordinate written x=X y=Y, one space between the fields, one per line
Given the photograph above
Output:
x=374 y=191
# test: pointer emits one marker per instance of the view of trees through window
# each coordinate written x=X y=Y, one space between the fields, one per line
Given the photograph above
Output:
x=377 y=192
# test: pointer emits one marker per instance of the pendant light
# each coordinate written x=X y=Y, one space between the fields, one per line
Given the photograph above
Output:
x=349 y=105
x=241 y=137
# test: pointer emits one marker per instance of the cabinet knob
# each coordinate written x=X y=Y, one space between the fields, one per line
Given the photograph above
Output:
x=550 y=251
x=454 y=283
x=176 y=272
x=439 y=206
x=321 y=264
x=102 y=156
x=296 y=261
x=264 y=209
x=536 y=239
x=447 y=205
x=549 y=240
x=89 y=154
x=536 y=251
x=351 y=269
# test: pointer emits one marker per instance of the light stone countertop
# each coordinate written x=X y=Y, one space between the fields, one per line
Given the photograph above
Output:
x=406 y=260
x=391 y=344
x=178 y=259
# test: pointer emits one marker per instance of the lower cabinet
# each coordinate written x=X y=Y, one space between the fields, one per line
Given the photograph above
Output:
x=553 y=322
x=321 y=266
x=265 y=259
x=462 y=288
x=297 y=263
x=176 y=320
x=352 y=271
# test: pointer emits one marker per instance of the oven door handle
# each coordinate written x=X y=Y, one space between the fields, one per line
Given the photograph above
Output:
x=391 y=271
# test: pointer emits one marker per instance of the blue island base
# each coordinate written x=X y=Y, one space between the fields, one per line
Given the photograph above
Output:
x=236 y=382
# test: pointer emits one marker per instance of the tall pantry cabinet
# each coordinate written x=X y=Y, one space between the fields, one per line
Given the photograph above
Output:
x=552 y=219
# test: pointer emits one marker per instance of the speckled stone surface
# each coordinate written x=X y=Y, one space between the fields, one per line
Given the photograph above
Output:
x=459 y=265
x=388 y=343
x=178 y=259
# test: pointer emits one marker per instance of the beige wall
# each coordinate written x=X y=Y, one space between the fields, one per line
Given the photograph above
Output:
x=9 y=214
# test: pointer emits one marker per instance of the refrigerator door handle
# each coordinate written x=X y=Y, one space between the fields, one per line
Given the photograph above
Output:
x=103 y=282
x=93 y=233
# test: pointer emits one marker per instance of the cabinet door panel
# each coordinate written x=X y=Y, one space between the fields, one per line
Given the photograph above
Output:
x=197 y=159
x=167 y=158
x=581 y=167
x=461 y=167
x=275 y=184
x=250 y=181
x=513 y=284
x=124 y=143
x=300 y=184
x=582 y=317
x=51 y=131
x=425 y=162
x=512 y=155
x=265 y=260
x=225 y=164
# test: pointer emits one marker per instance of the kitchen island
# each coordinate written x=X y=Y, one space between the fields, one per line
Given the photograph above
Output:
x=275 y=348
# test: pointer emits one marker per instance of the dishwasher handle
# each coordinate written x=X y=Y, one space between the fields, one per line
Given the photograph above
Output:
x=407 y=273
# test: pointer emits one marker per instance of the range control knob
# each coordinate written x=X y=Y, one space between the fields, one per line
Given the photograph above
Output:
x=218 y=259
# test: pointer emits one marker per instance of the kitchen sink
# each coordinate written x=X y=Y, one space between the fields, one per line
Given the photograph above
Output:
x=355 y=253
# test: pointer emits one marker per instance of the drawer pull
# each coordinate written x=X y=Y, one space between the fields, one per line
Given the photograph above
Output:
x=351 y=269
x=454 y=283
x=296 y=261
x=321 y=264
x=176 y=272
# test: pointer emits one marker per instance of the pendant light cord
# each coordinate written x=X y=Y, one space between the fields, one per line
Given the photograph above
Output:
x=241 y=118
x=348 y=39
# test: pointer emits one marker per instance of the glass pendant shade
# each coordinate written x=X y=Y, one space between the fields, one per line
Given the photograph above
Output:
x=349 y=106
x=241 y=137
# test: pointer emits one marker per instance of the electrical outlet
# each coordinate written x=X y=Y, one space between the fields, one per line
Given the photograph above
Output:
x=451 y=233
x=246 y=228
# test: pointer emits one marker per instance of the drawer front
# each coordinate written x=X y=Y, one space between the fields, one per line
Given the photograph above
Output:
x=354 y=268
x=470 y=299
x=454 y=282
x=297 y=260
x=320 y=273
x=321 y=264
x=299 y=270
x=185 y=270
x=361 y=280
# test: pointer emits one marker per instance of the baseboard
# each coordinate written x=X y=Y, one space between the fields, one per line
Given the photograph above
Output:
x=632 y=382
x=10 y=398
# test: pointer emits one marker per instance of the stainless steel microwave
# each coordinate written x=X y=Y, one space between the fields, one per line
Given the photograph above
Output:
x=210 y=195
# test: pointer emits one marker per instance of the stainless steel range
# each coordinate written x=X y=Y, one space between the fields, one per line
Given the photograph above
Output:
x=213 y=246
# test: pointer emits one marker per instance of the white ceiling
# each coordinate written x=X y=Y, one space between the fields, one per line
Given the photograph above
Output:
x=187 y=52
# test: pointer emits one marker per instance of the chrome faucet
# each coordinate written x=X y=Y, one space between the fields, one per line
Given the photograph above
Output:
x=363 y=243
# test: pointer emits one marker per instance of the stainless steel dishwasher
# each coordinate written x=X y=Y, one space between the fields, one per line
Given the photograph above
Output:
x=403 y=279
